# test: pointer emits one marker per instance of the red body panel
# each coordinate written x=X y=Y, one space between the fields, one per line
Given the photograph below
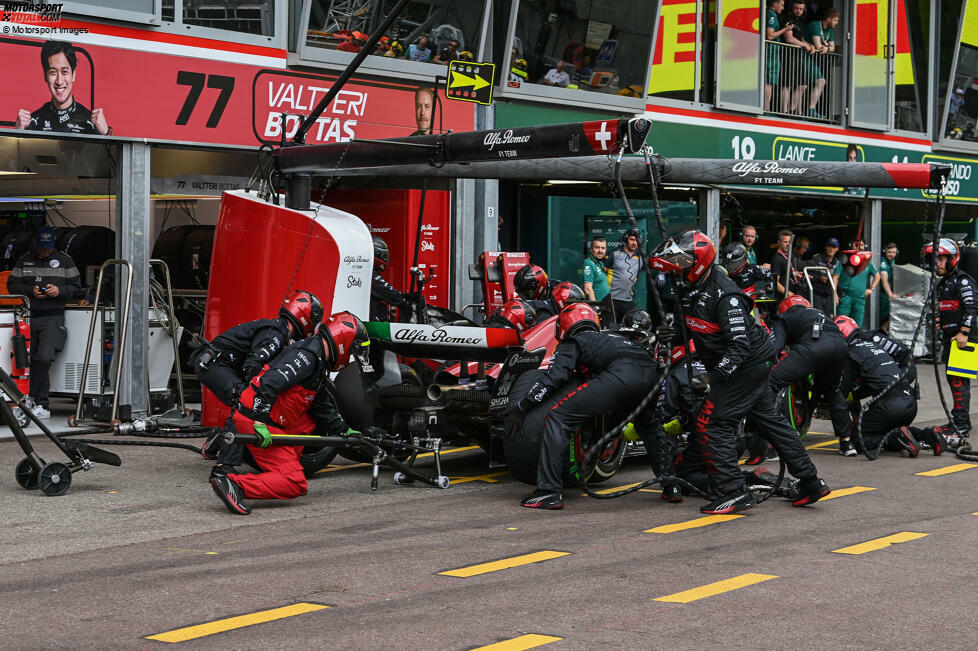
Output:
x=393 y=215
x=257 y=249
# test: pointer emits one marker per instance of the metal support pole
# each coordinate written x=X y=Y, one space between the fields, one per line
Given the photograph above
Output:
x=875 y=244
x=709 y=214
x=298 y=188
x=133 y=232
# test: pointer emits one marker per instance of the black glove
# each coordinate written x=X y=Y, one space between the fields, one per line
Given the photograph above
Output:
x=513 y=421
x=261 y=409
x=700 y=384
x=249 y=371
x=664 y=334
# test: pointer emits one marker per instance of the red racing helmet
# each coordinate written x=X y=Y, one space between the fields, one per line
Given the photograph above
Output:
x=946 y=246
x=847 y=325
x=566 y=293
x=575 y=318
x=345 y=336
x=688 y=256
x=303 y=310
x=515 y=313
x=792 y=301
x=530 y=282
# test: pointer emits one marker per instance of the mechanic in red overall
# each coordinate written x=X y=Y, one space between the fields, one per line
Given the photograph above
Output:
x=291 y=397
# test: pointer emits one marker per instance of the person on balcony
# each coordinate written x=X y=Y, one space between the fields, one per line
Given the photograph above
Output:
x=796 y=78
x=821 y=35
x=774 y=33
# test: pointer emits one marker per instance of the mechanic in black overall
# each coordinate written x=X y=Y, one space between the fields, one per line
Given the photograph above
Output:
x=534 y=286
x=227 y=364
x=386 y=302
x=958 y=309
x=867 y=372
x=734 y=350
x=615 y=373
x=754 y=280
x=817 y=348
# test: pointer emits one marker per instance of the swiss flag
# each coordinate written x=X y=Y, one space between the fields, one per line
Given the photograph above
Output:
x=602 y=136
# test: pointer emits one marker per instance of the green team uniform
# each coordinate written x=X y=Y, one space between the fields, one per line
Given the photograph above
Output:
x=852 y=301
x=595 y=273
x=827 y=35
x=887 y=266
x=751 y=256
x=773 y=54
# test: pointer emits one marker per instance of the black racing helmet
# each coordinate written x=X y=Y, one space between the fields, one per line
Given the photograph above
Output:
x=636 y=324
x=733 y=257
x=530 y=282
x=382 y=253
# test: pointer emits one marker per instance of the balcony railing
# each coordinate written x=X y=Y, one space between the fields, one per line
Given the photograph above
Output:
x=799 y=84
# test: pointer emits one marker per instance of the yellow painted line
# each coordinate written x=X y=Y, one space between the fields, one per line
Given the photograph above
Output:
x=819 y=433
x=335 y=468
x=823 y=444
x=719 y=587
x=231 y=623
x=530 y=641
x=947 y=470
x=489 y=479
x=842 y=492
x=880 y=543
x=694 y=523
x=504 y=564
x=606 y=491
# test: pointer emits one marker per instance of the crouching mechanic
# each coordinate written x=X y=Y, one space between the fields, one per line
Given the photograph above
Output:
x=734 y=350
x=291 y=397
x=620 y=373
x=815 y=347
x=869 y=371
x=227 y=364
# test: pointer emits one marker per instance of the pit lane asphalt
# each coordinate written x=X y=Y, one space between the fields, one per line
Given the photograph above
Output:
x=144 y=549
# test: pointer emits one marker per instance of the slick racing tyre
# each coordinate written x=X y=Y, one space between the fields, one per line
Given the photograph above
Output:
x=795 y=405
x=522 y=452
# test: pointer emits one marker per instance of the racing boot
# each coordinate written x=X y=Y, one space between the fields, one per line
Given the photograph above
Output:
x=761 y=479
x=231 y=494
x=543 y=499
x=733 y=502
x=953 y=438
x=929 y=437
x=846 y=448
x=810 y=491
x=908 y=444
x=221 y=470
x=757 y=449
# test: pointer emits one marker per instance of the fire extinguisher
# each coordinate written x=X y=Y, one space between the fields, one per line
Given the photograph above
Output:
x=21 y=367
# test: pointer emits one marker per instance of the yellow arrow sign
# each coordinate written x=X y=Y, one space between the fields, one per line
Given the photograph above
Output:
x=460 y=81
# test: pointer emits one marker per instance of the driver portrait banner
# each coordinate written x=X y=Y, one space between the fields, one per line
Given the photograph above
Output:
x=90 y=89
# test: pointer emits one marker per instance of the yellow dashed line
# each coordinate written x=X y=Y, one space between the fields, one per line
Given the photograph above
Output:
x=504 y=564
x=231 y=623
x=947 y=470
x=489 y=479
x=880 y=543
x=693 y=524
x=520 y=643
x=842 y=492
x=823 y=444
x=719 y=587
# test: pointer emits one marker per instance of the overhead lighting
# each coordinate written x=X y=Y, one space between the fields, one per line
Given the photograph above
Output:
x=13 y=173
x=570 y=182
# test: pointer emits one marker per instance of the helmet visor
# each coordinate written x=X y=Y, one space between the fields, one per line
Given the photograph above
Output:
x=670 y=258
